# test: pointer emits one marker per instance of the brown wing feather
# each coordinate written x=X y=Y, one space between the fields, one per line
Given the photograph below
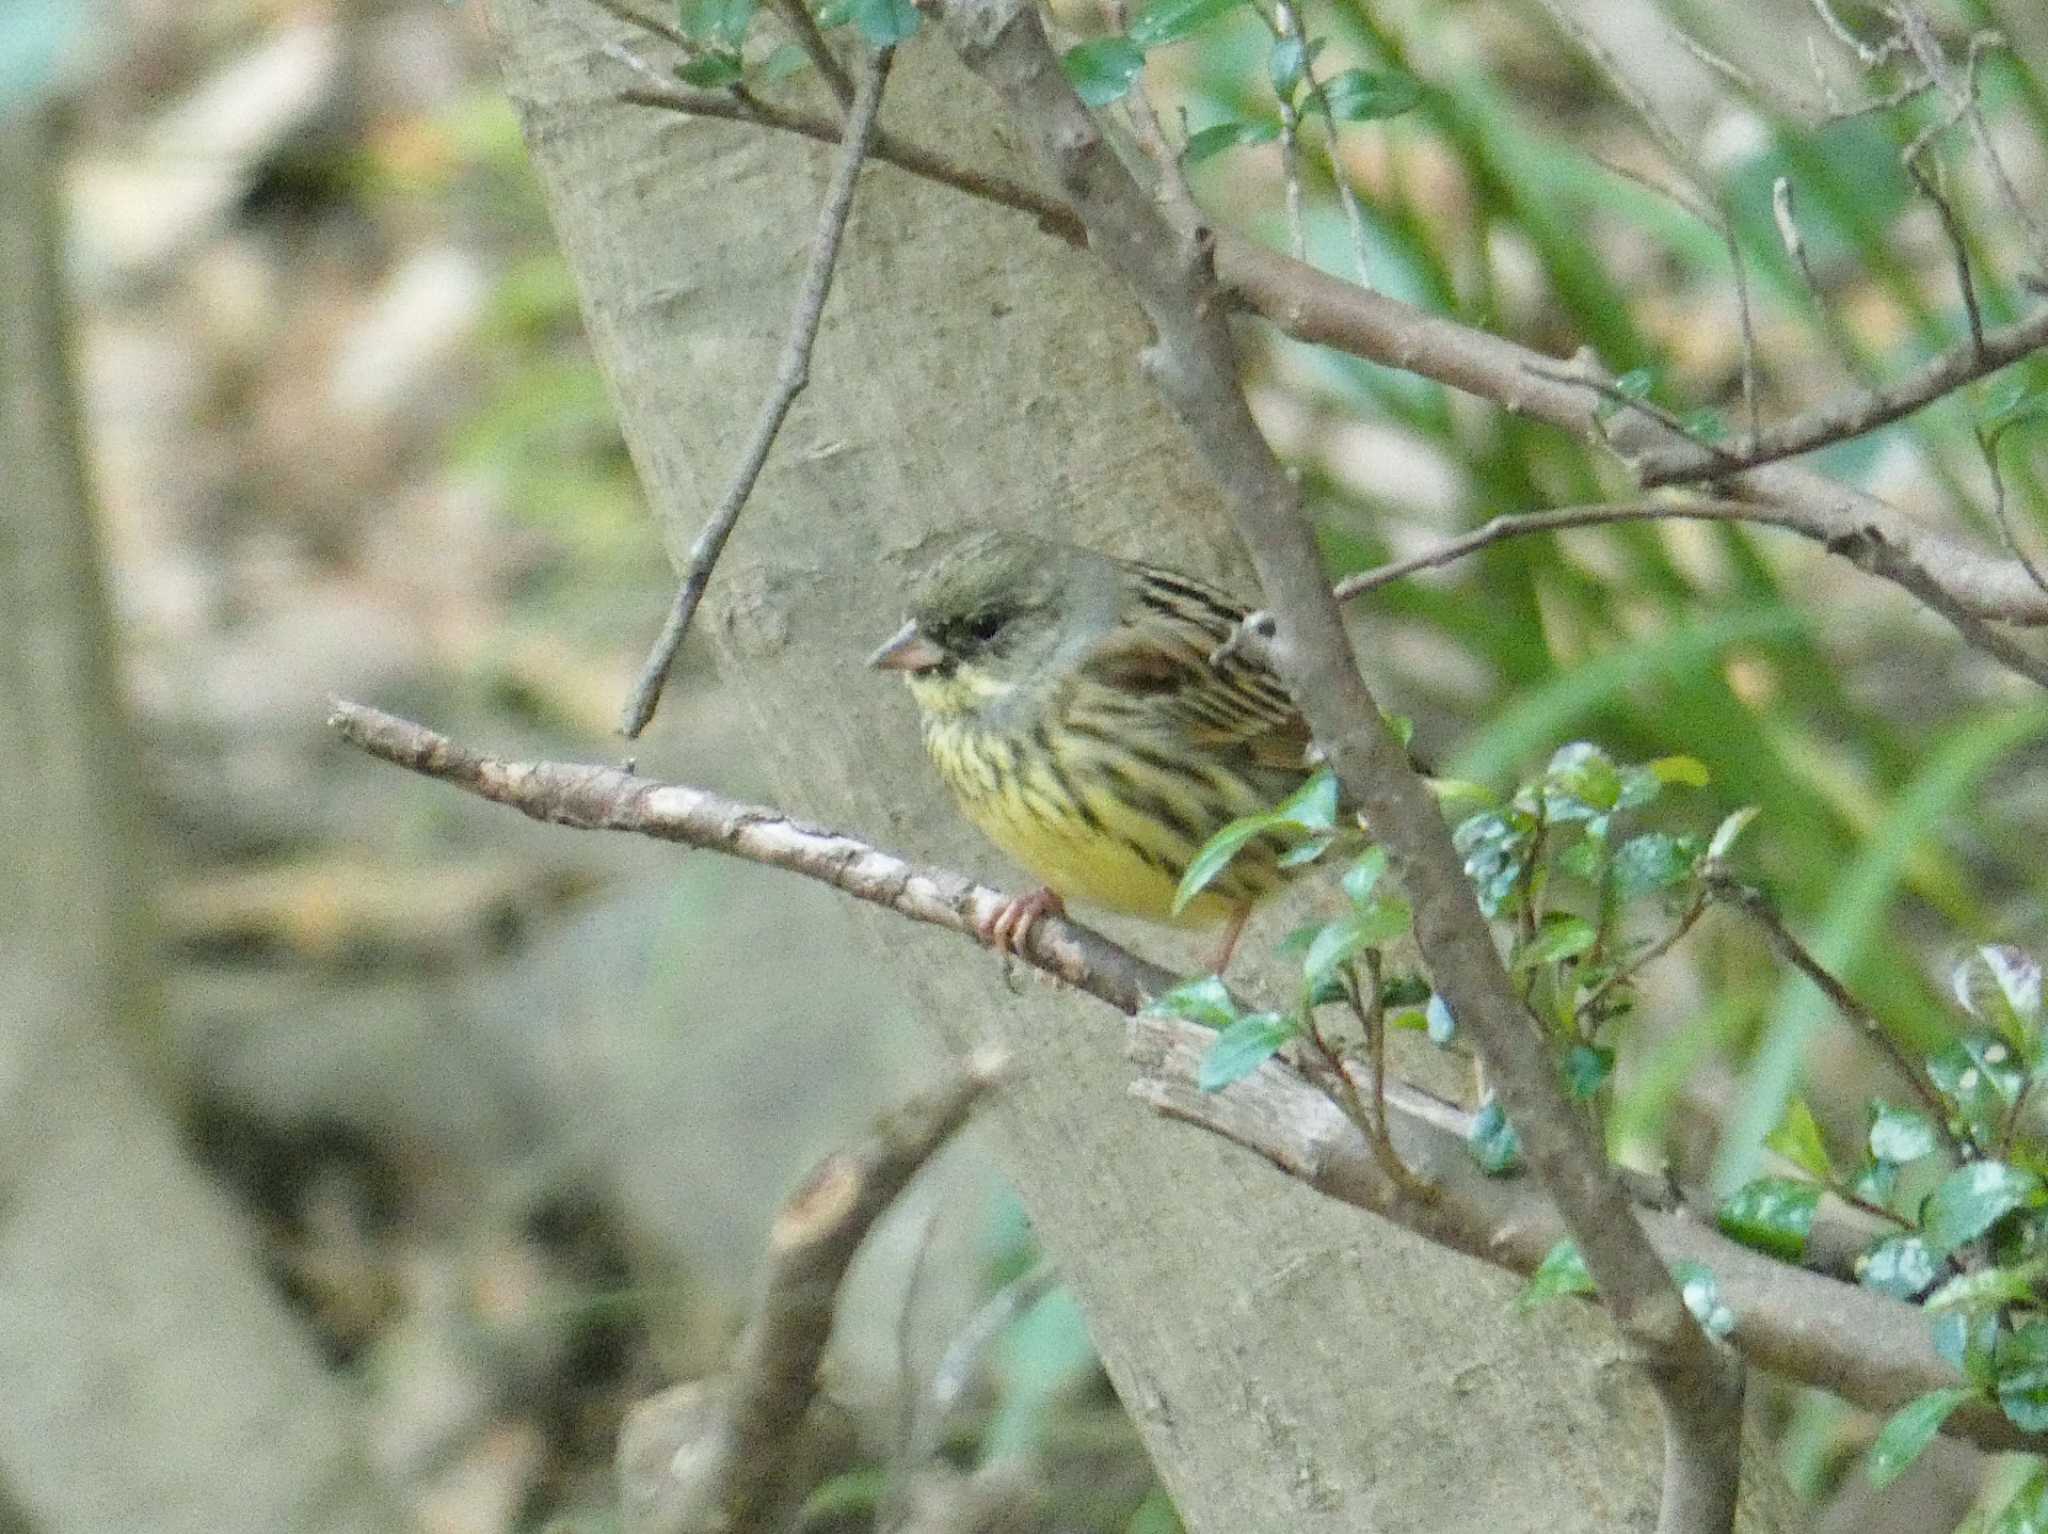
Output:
x=1160 y=660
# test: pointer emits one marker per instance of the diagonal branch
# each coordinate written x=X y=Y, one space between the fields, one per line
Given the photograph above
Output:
x=792 y=374
x=1857 y=412
x=1193 y=362
x=1314 y=307
x=1873 y=1350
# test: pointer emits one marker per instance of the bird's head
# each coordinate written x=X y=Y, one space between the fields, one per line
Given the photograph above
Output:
x=996 y=618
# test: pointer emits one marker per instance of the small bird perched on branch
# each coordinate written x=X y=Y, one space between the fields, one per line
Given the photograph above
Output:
x=1087 y=716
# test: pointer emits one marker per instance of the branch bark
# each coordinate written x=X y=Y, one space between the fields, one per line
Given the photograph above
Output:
x=1170 y=274
x=977 y=374
x=1875 y=1351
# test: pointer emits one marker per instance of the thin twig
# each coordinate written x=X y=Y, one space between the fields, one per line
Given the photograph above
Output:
x=1987 y=442
x=1623 y=974
x=1053 y=216
x=1756 y=905
x=1855 y=413
x=1347 y=195
x=796 y=16
x=1959 y=251
x=618 y=10
x=1321 y=310
x=1280 y=22
x=792 y=373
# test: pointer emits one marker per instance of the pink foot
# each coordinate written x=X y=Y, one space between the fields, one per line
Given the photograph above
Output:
x=1006 y=930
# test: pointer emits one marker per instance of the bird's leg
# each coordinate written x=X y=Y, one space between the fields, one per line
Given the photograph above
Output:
x=1220 y=962
x=1006 y=930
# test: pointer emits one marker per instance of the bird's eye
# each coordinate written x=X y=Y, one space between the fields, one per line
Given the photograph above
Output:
x=986 y=624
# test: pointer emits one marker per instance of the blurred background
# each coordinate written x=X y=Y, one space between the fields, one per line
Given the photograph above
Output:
x=499 y=1106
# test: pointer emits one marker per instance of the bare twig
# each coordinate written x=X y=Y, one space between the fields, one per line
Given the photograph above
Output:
x=796 y=15
x=1987 y=443
x=1347 y=195
x=1053 y=216
x=1753 y=903
x=654 y=26
x=1319 y=309
x=731 y=1455
x=1193 y=362
x=1526 y=524
x=792 y=373
x=1959 y=251
x=1872 y=1349
x=1855 y=413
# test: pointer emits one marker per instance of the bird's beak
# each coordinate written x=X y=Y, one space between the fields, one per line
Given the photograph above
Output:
x=907 y=650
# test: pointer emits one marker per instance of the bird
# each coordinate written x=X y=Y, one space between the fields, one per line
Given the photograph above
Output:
x=1091 y=717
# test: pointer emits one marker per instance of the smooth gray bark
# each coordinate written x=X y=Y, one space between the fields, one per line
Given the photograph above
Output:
x=153 y=1381
x=1294 y=1367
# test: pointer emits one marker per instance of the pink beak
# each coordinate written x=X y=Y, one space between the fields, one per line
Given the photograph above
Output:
x=907 y=650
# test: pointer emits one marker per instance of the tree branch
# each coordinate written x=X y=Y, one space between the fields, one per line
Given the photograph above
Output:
x=792 y=373
x=1193 y=361
x=729 y=1456
x=1319 y=309
x=1857 y=412
x=1868 y=1348
x=1872 y=1349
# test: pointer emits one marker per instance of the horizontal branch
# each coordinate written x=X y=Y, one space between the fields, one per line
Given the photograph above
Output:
x=1872 y=1349
x=1866 y=1347
x=1314 y=307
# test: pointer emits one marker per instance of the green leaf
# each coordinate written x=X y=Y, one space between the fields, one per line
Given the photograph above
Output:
x=1772 y=1214
x=2001 y=986
x=1968 y=1342
x=1493 y=1142
x=1581 y=783
x=1307 y=852
x=1990 y=1287
x=1169 y=21
x=2021 y=1365
x=1731 y=827
x=1102 y=70
x=1910 y=1429
x=1360 y=95
x=1311 y=807
x=1900 y=1266
x=1206 y=1001
x=1442 y=1026
x=1494 y=844
x=1688 y=771
x=786 y=60
x=1900 y=1135
x=1216 y=855
x=2027 y=1510
x=1701 y=1292
x=712 y=71
x=1362 y=877
x=1340 y=940
x=1586 y=1069
x=1973 y=1198
x=719 y=24
x=1798 y=1139
x=1243 y=1047
x=1979 y=1077
x=1213 y=140
x=1562 y=1272
x=1285 y=63
x=1652 y=861
x=1562 y=936
x=885 y=23
x=2020 y=404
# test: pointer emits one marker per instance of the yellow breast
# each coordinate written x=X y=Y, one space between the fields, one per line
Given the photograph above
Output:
x=1099 y=824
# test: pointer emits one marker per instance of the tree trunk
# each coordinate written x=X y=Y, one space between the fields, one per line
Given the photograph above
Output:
x=154 y=1381
x=1295 y=1368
